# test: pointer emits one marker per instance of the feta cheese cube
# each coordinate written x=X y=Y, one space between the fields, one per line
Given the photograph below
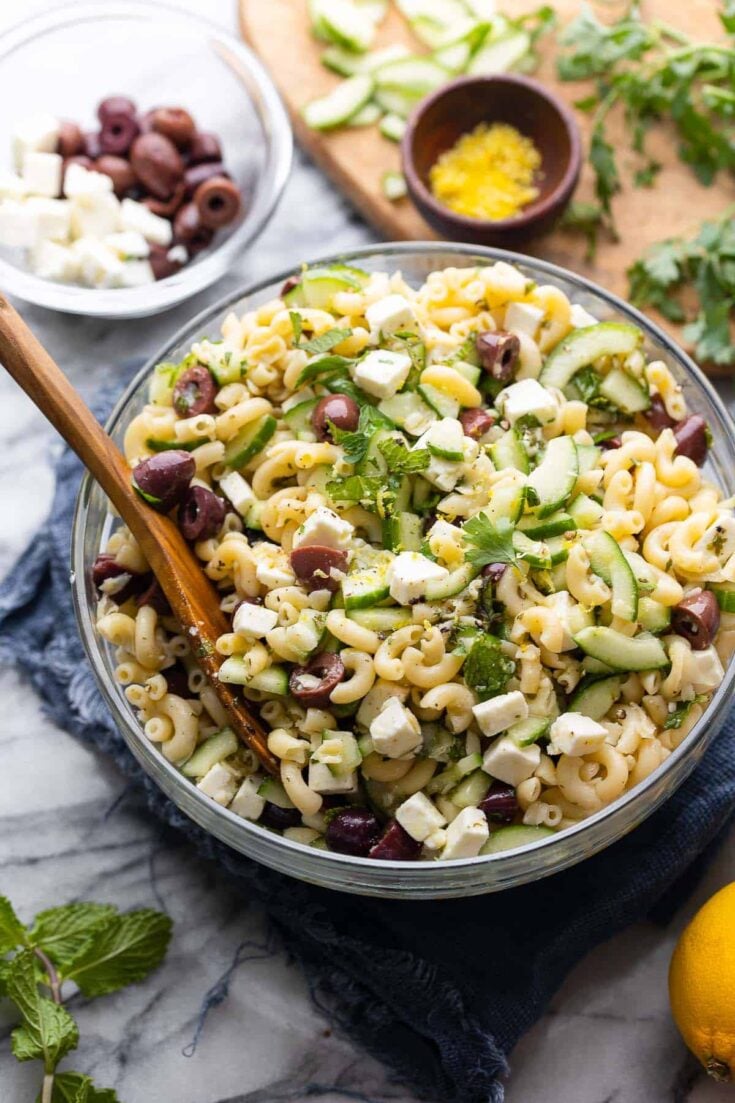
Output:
x=254 y=621
x=322 y=780
x=395 y=731
x=466 y=835
x=523 y=318
x=382 y=373
x=390 y=315
x=575 y=734
x=79 y=181
x=136 y=273
x=325 y=527
x=443 y=473
x=497 y=714
x=42 y=173
x=136 y=216
x=12 y=186
x=375 y=698
x=246 y=802
x=272 y=566
x=128 y=244
x=95 y=216
x=408 y=575
x=53 y=218
x=51 y=261
x=508 y=762
x=98 y=265
x=419 y=817
x=238 y=490
x=18 y=226
x=580 y=318
x=704 y=670
x=527 y=397
x=219 y=783
x=36 y=134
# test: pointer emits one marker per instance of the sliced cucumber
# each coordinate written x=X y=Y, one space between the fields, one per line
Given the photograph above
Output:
x=470 y=371
x=414 y=76
x=220 y=745
x=625 y=392
x=584 y=511
x=458 y=580
x=621 y=652
x=585 y=346
x=339 y=106
x=273 y=680
x=402 y=532
x=446 y=440
x=595 y=696
x=607 y=561
x=394 y=102
x=424 y=497
x=447 y=779
x=318 y=286
x=471 y=790
x=374 y=462
x=408 y=410
x=653 y=616
x=249 y=441
x=272 y=791
x=440 y=402
x=501 y=55
x=507 y=499
x=298 y=417
x=366 y=116
x=173 y=445
x=348 y=64
x=558 y=549
x=392 y=127
x=528 y=731
x=508 y=451
x=588 y=457
x=342 y=22
x=369 y=585
x=554 y=525
x=554 y=478
x=393 y=185
x=534 y=552
x=725 y=594
x=433 y=20
x=455 y=56
x=515 y=837
x=381 y=620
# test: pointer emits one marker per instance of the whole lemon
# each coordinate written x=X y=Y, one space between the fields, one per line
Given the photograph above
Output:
x=702 y=984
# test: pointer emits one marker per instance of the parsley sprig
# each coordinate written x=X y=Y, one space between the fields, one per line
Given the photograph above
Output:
x=488 y=542
x=94 y=946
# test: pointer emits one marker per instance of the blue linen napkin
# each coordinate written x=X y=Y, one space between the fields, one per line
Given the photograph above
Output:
x=439 y=990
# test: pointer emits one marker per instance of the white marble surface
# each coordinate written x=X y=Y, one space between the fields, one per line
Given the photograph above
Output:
x=68 y=830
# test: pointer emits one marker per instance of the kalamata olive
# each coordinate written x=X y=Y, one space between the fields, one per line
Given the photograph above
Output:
x=197 y=174
x=114 y=580
x=71 y=139
x=118 y=133
x=313 y=565
x=218 y=201
x=115 y=105
x=657 y=416
x=353 y=831
x=92 y=145
x=610 y=444
x=340 y=409
x=476 y=422
x=691 y=439
x=157 y=163
x=396 y=845
x=166 y=208
x=498 y=352
x=279 y=818
x=160 y=261
x=189 y=231
x=194 y=392
x=163 y=479
x=174 y=123
x=201 y=514
x=312 y=684
x=119 y=171
x=289 y=285
x=177 y=680
x=204 y=147
x=500 y=804
x=493 y=571
x=154 y=596
x=697 y=618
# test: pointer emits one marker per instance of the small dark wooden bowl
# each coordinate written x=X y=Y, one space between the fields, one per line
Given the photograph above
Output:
x=457 y=108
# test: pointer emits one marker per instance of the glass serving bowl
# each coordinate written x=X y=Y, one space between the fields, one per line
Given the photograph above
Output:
x=463 y=877
x=67 y=60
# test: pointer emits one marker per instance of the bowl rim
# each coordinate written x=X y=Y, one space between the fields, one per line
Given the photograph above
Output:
x=188 y=798
x=120 y=303
x=535 y=211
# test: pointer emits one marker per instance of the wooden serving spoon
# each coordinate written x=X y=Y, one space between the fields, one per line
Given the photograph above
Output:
x=192 y=598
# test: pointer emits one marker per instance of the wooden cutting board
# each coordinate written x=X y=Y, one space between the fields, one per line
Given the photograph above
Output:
x=355 y=159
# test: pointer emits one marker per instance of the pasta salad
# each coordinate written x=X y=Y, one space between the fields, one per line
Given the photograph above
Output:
x=478 y=584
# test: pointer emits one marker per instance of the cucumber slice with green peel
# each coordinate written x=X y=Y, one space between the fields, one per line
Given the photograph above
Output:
x=374 y=462
x=584 y=511
x=220 y=745
x=395 y=102
x=585 y=346
x=458 y=580
x=254 y=517
x=535 y=553
x=174 y=445
x=470 y=371
x=619 y=652
x=595 y=696
x=392 y=127
x=653 y=616
x=412 y=76
x=424 y=496
x=558 y=549
x=298 y=418
x=433 y=20
x=508 y=451
x=348 y=64
x=588 y=457
x=402 y=532
x=409 y=411
x=725 y=594
x=529 y=731
x=366 y=116
x=455 y=56
x=471 y=790
x=446 y=440
x=440 y=402
x=318 y=286
x=369 y=585
x=501 y=55
x=507 y=500
x=272 y=791
x=339 y=106
x=607 y=561
x=516 y=836
x=447 y=779
x=556 y=524
x=381 y=620
x=393 y=185
x=342 y=22
x=251 y=440
x=643 y=572
x=625 y=392
x=554 y=478
x=594 y=666
x=402 y=502
x=273 y=680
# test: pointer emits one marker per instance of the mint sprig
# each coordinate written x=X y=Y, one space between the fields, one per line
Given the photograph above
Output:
x=94 y=945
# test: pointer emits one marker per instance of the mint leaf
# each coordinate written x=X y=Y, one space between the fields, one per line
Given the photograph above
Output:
x=75 y=1087
x=4 y=974
x=322 y=368
x=355 y=444
x=325 y=341
x=64 y=933
x=489 y=543
x=402 y=460
x=48 y=1031
x=297 y=325
x=12 y=931
x=487 y=670
x=124 y=951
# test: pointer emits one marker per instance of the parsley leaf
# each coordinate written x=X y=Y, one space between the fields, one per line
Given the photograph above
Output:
x=489 y=543
x=401 y=460
x=47 y=1031
x=122 y=952
x=487 y=670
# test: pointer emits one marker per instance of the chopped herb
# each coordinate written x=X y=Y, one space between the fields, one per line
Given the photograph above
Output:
x=401 y=460
x=325 y=342
x=297 y=324
x=589 y=219
x=355 y=443
x=466 y=353
x=324 y=368
x=487 y=670
x=489 y=543
x=411 y=344
x=676 y=718
x=587 y=381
